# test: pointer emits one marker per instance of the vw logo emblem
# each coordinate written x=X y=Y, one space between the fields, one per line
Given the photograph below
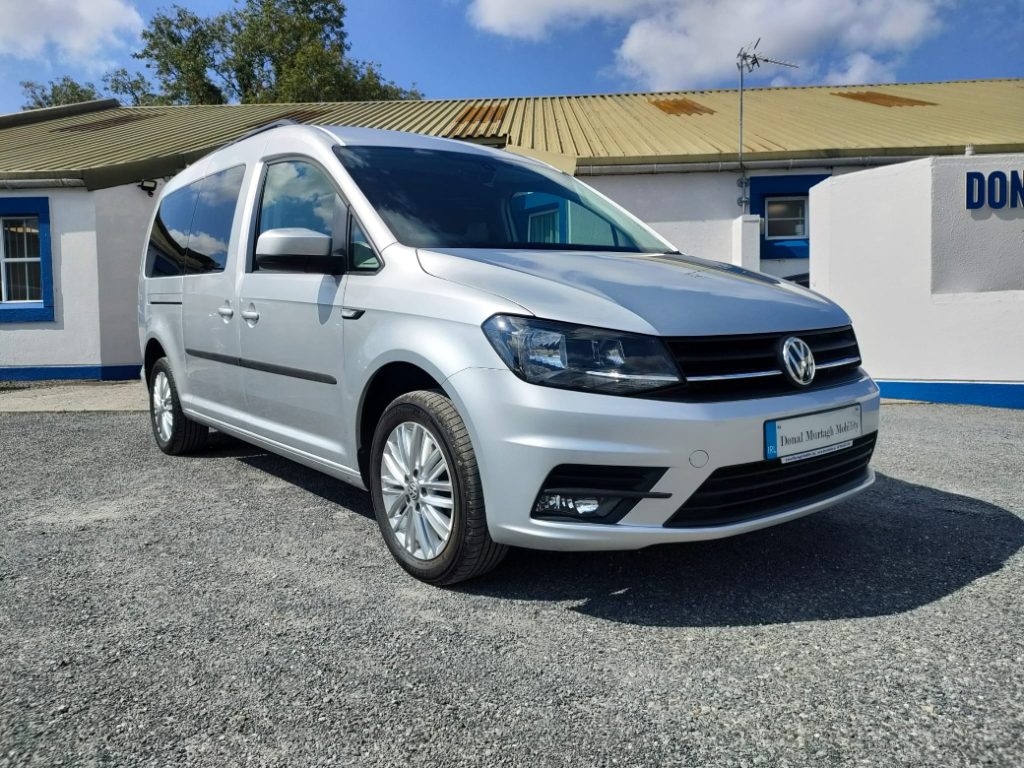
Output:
x=797 y=361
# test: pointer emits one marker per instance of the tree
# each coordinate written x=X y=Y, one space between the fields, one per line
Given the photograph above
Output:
x=260 y=51
x=132 y=90
x=66 y=90
x=183 y=50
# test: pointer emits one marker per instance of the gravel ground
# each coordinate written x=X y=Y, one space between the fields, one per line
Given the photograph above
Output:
x=234 y=608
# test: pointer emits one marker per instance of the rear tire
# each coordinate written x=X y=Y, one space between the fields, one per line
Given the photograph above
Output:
x=427 y=495
x=175 y=433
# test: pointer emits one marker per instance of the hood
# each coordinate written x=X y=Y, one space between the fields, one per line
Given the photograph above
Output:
x=660 y=294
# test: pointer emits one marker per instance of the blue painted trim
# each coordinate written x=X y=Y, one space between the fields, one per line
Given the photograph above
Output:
x=782 y=186
x=993 y=394
x=37 y=311
x=70 y=372
x=28 y=312
x=771 y=440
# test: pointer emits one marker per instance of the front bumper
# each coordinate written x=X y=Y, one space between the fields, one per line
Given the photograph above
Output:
x=521 y=431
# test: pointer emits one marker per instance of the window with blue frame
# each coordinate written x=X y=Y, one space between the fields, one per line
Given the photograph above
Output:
x=782 y=203
x=785 y=218
x=26 y=272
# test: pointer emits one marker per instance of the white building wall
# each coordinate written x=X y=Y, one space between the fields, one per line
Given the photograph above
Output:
x=695 y=211
x=933 y=288
x=73 y=338
x=122 y=219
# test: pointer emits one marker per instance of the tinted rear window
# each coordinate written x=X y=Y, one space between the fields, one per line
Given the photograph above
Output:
x=169 y=239
x=192 y=229
x=210 y=233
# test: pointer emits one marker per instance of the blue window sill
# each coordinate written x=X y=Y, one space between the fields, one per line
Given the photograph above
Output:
x=785 y=249
x=26 y=312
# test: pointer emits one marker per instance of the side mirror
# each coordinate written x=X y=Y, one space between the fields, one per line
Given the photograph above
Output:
x=297 y=250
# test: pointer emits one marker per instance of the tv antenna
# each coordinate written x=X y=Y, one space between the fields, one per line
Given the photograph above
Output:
x=747 y=60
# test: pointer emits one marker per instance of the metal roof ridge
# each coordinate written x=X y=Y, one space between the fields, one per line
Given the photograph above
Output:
x=606 y=94
x=43 y=114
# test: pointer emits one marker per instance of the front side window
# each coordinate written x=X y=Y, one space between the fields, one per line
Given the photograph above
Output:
x=299 y=194
x=442 y=199
x=785 y=218
x=20 y=259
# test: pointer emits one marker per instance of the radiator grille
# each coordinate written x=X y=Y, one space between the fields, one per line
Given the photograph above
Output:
x=741 y=367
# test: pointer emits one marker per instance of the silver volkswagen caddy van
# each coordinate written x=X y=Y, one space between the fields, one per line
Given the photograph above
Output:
x=499 y=354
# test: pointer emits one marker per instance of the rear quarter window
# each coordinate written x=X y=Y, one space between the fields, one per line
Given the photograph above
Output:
x=192 y=229
x=168 y=240
x=210 y=233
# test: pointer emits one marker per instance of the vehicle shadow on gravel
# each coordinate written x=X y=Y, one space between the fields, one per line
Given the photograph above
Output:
x=897 y=547
x=894 y=548
x=324 y=486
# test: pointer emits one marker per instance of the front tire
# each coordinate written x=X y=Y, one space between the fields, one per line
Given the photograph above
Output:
x=427 y=495
x=175 y=433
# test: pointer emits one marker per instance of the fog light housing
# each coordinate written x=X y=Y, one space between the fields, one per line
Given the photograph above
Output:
x=566 y=505
x=596 y=494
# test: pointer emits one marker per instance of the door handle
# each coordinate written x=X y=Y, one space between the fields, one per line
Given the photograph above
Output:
x=226 y=312
x=251 y=315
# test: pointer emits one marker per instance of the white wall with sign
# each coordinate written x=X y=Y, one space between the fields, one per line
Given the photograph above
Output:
x=932 y=272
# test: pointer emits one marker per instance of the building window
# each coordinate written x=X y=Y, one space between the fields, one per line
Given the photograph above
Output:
x=788 y=195
x=785 y=218
x=20 y=262
x=26 y=280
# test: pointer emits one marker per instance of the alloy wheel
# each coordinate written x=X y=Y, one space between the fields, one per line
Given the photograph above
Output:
x=416 y=485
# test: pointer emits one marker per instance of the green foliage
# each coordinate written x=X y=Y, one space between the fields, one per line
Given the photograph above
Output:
x=261 y=51
x=183 y=49
x=132 y=90
x=66 y=90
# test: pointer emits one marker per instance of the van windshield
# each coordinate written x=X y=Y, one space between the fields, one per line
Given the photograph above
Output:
x=439 y=199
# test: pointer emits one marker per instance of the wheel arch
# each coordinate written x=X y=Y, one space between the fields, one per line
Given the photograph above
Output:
x=154 y=351
x=391 y=380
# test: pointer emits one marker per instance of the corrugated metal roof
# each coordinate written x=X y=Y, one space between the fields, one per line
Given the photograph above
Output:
x=112 y=145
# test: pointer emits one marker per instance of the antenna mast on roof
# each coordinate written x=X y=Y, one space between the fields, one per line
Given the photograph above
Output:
x=747 y=60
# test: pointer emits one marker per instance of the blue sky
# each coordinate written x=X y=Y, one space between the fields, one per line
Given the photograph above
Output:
x=463 y=48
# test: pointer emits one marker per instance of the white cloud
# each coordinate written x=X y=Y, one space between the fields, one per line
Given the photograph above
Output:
x=533 y=19
x=205 y=243
x=860 y=67
x=81 y=32
x=691 y=43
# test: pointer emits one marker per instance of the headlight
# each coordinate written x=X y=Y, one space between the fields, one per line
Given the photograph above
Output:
x=574 y=357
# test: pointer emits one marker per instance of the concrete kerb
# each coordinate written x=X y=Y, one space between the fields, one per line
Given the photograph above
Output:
x=62 y=396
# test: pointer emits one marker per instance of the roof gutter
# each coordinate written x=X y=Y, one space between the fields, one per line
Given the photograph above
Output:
x=750 y=165
x=40 y=183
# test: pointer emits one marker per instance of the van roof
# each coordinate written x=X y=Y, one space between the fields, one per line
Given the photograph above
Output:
x=354 y=136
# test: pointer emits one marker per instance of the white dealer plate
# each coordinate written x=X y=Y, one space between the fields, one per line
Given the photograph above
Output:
x=804 y=437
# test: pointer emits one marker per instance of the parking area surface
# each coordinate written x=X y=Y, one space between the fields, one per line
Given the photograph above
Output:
x=234 y=608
